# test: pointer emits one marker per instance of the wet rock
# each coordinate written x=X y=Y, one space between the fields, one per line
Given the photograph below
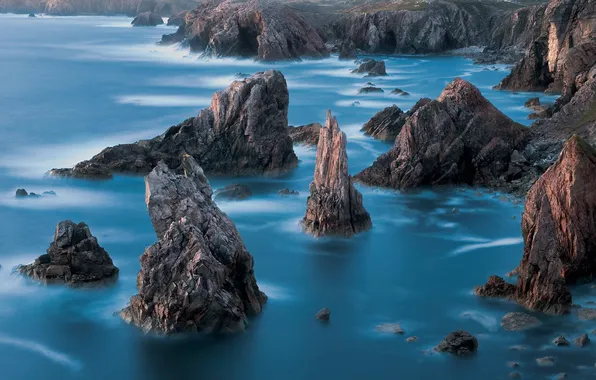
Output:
x=412 y=339
x=347 y=51
x=244 y=132
x=546 y=361
x=372 y=68
x=388 y=123
x=513 y=364
x=74 y=258
x=49 y=193
x=147 y=19
x=31 y=15
x=177 y=19
x=455 y=210
x=400 y=92
x=392 y=328
x=532 y=102
x=323 y=315
x=495 y=287
x=582 y=340
x=233 y=192
x=334 y=206
x=305 y=134
x=561 y=341
x=286 y=192
x=561 y=376
x=460 y=138
x=515 y=375
x=21 y=193
x=586 y=314
x=517 y=321
x=199 y=276
x=458 y=343
x=370 y=90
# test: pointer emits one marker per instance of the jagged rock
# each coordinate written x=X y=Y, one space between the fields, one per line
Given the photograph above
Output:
x=495 y=287
x=561 y=341
x=347 y=51
x=74 y=257
x=391 y=328
x=532 y=102
x=582 y=340
x=147 y=19
x=323 y=315
x=370 y=89
x=233 y=192
x=178 y=19
x=257 y=28
x=22 y=193
x=460 y=138
x=334 y=206
x=399 y=91
x=372 y=68
x=286 y=191
x=199 y=276
x=305 y=134
x=244 y=132
x=386 y=124
x=546 y=361
x=458 y=343
x=519 y=322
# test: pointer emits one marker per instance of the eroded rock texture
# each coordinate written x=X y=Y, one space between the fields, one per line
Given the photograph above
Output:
x=460 y=138
x=147 y=19
x=199 y=276
x=244 y=132
x=386 y=124
x=334 y=206
x=306 y=134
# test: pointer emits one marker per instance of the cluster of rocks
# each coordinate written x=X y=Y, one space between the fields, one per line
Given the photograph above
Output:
x=244 y=132
x=22 y=193
x=400 y=92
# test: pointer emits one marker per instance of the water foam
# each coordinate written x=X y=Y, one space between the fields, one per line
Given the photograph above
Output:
x=494 y=243
x=145 y=100
x=53 y=355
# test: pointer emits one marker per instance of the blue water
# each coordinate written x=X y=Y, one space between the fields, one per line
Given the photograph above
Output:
x=71 y=86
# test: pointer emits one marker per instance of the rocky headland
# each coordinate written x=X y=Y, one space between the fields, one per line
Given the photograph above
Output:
x=199 y=276
x=244 y=132
x=334 y=206
x=147 y=19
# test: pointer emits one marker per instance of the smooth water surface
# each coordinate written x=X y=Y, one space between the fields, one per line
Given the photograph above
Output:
x=72 y=86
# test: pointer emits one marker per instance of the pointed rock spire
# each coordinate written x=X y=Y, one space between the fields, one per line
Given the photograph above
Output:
x=334 y=206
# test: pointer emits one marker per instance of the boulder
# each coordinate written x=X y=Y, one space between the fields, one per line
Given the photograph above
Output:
x=582 y=340
x=370 y=90
x=21 y=193
x=147 y=19
x=305 y=134
x=460 y=138
x=31 y=15
x=323 y=315
x=244 y=132
x=547 y=361
x=386 y=124
x=399 y=91
x=519 y=322
x=458 y=343
x=561 y=341
x=372 y=68
x=198 y=277
x=334 y=206
x=233 y=192
x=532 y=102
x=74 y=258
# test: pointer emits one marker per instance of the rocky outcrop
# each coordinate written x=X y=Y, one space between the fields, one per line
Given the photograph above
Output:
x=94 y=7
x=199 y=276
x=305 y=134
x=233 y=192
x=372 y=68
x=370 y=90
x=147 y=19
x=334 y=206
x=386 y=124
x=459 y=343
x=557 y=225
x=258 y=28
x=495 y=287
x=323 y=315
x=74 y=258
x=347 y=51
x=460 y=138
x=519 y=322
x=178 y=19
x=22 y=193
x=244 y=132
x=400 y=92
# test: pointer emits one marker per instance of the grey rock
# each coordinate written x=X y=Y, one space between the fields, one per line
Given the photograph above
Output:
x=513 y=364
x=515 y=375
x=233 y=192
x=547 y=361
x=561 y=341
x=458 y=343
x=372 y=68
x=370 y=90
x=517 y=321
x=287 y=191
x=21 y=193
x=323 y=315
x=412 y=339
x=147 y=19
x=305 y=134
x=582 y=340
x=391 y=328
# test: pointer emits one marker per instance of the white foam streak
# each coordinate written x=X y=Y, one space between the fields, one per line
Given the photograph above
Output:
x=257 y=207
x=67 y=197
x=55 y=356
x=373 y=104
x=490 y=244
x=145 y=100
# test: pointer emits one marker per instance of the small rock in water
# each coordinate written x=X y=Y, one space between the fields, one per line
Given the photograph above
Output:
x=455 y=211
x=561 y=376
x=576 y=306
x=241 y=75
x=323 y=315
x=233 y=193
x=356 y=103
x=287 y=191
x=370 y=89
x=393 y=328
x=593 y=332
x=513 y=364
x=51 y=192
x=399 y=91
x=561 y=341
x=586 y=314
x=582 y=340
x=21 y=193
x=412 y=339
x=513 y=217
x=515 y=375
x=458 y=343
x=546 y=361
x=517 y=321
x=503 y=198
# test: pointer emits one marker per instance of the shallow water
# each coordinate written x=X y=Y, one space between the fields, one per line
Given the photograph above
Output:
x=71 y=86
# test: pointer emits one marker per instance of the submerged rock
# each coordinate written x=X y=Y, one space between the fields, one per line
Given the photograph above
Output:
x=458 y=343
x=496 y=287
x=546 y=361
x=460 y=138
x=147 y=19
x=515 y=375
x=22 y=193
x=412 y=339
x=286 y=192
x=519 y=322
x=334 y=206
x=32 y=15
x=74 y=257
x=370 y=89
x=372 y=68
x=323 y=315
x=233 y=192
x=305 y=134
x=199 y=276
x=244 y=132
x=392 y=328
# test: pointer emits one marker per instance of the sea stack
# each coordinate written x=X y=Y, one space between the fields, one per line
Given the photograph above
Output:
x=558 y=227
x=334 y=206
x=74 y=258
x=199 y=276
x=147 y=19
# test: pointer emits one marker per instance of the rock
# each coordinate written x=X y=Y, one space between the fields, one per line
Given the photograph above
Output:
x=372 y=68
x=532 y=102
x=323 y=315
x=386 y=124
x=356 y=103
x=582 y=340
x=586 y=314
x=147 y=19
x=31 y=15
x=198 y=277
x=392 y=328
x=546 y=361
x=347 y=51
x=513 y=364
x=334 y=206
x=178 y=19
x=286 y=192
x=517 y=321
x=455 y=210
x=399 y=91
x=561 y=341
x=515 y=375
x=458 y=343
x=460 y=138
x=234 y=192
x=244 y=132
x=49 y=193
x=412 y=339
x=305 y=134
x=21 y=193
x=593 y=332
x=496 y=287
x=369 y=89
x=561 y=376
x=262 y=29
x=74 y=257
